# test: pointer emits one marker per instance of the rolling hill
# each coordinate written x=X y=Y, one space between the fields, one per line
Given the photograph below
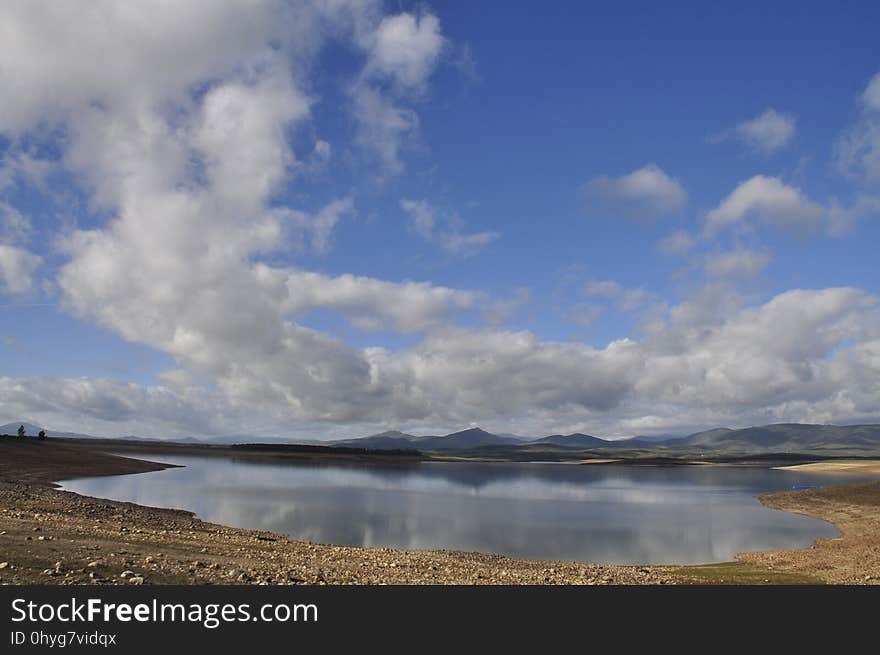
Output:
x=785 y=437
x=464 y=440
x=576 y=440
x=390 y=440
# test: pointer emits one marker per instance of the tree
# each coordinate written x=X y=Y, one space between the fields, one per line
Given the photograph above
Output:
x=42 y=435
x=21 y=431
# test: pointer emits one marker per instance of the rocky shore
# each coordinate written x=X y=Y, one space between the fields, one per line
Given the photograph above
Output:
x=852 y=558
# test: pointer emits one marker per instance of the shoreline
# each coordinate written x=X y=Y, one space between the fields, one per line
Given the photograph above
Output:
x=50 y=536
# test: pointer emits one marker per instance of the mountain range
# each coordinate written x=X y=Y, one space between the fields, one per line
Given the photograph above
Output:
x=776 y=438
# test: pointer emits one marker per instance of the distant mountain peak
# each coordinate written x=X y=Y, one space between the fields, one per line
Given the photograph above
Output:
x=577 y=439
x=393 y=434
x=476 y=430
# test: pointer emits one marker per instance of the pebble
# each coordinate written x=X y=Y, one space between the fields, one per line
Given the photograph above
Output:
x=4 y=565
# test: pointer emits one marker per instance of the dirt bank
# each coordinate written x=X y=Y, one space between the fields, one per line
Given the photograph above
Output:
x=852 y=558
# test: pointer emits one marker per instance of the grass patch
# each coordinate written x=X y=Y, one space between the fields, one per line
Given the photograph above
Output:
x=735 y=573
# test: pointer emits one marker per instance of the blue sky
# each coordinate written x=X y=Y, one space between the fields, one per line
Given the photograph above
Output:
x=616 y=218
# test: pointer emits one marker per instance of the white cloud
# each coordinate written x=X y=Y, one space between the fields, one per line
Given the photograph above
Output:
x=406 y=48
x=766 y=133
x=857 y=151
x=112 y=408
x=19 y=165
x=803 y=355
x=760 y=358
x=503 y=309
x=444 y=229
x=249 y=119
x=769 y=200
x=677 y=243
x=383 y=126
x=53 y=53
x=423 y=215
x=316 y=230
x=15 y=228
x=186 y=163
x=645 y=193
x=371 y=303
x=17 y=269
x=871 y=94
x=583 y=314
x=403 y=49
x=626 y=299
x=741 y=262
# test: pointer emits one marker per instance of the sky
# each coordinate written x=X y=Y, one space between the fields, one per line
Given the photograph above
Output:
x=328 y=219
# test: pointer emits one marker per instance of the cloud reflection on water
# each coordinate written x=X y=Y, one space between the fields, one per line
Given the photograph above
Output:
x=610 y=514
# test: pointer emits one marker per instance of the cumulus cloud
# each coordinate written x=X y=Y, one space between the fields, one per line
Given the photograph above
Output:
x=17 y=269
x=741 y=262
x=760 y=358
x=679 y=242
x=15 y=228
x=406 y=47
x=768 y=200
x=110 y=407
x=315 y=231
x=19 y=165
x=871 y=94
x=372 y=303
x=503 y=309
x=804 y=354
x=583 y=314
x=766 y=133
x=186 y=162
x=444 y=229
x=645 y=193
x=857 y=151
x=57 y=55
x=626 y=299
x=383 y=127
x=402 y=53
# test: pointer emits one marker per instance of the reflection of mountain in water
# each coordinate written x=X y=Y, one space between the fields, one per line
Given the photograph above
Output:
x=476 y=475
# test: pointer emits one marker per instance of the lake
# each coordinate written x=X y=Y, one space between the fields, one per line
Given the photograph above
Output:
x=606 y=514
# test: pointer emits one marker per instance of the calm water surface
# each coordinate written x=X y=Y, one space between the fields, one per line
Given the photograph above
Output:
x=610 y=514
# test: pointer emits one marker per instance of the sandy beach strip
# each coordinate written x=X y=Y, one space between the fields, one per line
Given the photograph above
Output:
x=849 y=467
